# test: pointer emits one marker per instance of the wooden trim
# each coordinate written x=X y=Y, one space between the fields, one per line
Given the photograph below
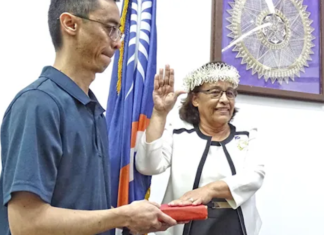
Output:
x=292 y=95
x=216 y=35
x=216 y=54
x=322 y=46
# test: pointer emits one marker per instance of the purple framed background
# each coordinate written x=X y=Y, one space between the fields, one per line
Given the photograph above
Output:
x=308 y=87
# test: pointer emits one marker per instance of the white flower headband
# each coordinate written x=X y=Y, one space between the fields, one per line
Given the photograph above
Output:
x=213 y=72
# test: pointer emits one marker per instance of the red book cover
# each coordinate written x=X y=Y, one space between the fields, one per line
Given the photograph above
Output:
x=185 y=213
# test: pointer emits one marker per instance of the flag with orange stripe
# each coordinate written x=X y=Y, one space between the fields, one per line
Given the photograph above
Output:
x=130 y=101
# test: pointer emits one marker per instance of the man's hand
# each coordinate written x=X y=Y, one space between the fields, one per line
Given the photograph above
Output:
x=145 y=217
x=28 y=214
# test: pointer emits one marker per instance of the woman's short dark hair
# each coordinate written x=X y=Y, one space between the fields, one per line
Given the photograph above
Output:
x=190 y=113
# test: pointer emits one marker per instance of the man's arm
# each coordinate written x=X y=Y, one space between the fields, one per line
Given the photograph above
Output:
x=29 y=215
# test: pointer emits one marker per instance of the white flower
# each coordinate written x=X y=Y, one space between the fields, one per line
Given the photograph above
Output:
x=242 y=144
x=210 y=73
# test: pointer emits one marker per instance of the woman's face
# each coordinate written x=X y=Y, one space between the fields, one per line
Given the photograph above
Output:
x=215 y=102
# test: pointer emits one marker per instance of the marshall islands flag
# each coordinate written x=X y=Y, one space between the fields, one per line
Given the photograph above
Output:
x=130 y=101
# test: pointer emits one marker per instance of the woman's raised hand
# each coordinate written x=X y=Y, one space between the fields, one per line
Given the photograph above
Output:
x=164 y=96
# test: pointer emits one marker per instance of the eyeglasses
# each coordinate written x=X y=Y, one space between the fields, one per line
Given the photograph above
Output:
x=217 y=94
x=113 y=31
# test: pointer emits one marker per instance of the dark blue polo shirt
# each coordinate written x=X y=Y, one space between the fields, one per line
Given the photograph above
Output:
x=54 y=144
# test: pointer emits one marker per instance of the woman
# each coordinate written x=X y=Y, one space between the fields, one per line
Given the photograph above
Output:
x=212 y=162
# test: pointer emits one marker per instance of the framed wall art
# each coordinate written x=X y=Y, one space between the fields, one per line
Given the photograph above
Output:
x=277 y=45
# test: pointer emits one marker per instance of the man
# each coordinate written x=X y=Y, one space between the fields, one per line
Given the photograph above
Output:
x=55 y=177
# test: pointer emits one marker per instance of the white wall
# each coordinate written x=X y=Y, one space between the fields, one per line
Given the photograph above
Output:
x=291 y=132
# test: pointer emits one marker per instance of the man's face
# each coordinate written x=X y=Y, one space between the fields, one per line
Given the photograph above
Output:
x=95 y=45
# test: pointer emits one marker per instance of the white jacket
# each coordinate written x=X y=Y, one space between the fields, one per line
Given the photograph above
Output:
x=181 y=147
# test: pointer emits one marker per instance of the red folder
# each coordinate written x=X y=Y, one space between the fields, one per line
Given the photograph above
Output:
x=186 y=213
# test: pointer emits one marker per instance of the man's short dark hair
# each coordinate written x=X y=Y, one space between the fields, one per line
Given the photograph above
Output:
x=76 y=7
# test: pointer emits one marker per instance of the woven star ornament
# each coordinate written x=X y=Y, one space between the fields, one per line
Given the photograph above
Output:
x=211 y=73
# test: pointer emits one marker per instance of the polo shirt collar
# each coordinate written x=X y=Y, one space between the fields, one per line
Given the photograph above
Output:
x=69 y=86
